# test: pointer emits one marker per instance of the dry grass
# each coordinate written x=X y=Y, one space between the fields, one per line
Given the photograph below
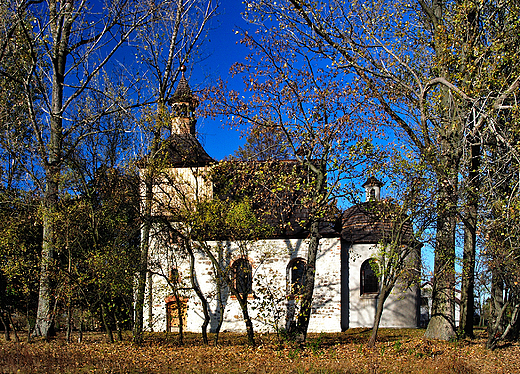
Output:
x=398 y=351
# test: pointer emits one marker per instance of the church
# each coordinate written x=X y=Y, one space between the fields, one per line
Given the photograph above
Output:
x=268 y=268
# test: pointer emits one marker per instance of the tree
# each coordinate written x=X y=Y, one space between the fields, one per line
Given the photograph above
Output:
x=419 y=65
x=169 y=39
x=68 y=46
x=20 y=242
x=233 y=221
x=401 y=223
x=297 y=100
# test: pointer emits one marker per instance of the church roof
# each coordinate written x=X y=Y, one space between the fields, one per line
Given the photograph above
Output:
x=183 y=150
x=183 y=93
x=366 y=223
x=373 y=181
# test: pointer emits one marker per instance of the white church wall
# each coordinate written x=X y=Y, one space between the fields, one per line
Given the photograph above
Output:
x=269 y=304
x=400 y=308
x=179 y=188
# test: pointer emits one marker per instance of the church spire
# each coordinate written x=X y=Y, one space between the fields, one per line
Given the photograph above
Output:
x=372 y=189
x=183 y=104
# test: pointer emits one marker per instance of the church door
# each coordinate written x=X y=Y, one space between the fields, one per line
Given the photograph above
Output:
x=172 y=314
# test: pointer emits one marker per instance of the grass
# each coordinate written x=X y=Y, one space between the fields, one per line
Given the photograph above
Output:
x=397 y=351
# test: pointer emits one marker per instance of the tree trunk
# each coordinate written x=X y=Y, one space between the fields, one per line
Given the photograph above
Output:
x=10 y=317
x=118 y=326
x=220 y=302
x=145 y=243
x=44 y=316
x=110 y=336
x=178 y=305
x=496 y=306
x=60 y=26
x=304 y=316
x=467 y=307
x=198 y=291
x=5 y=323
x=442 y=324
x=320 y=173
x=385 y=291
x=68 y=334
x=249 y=324
x=80 y=332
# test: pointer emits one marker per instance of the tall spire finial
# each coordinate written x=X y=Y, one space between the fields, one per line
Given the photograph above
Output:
x=183 y=92
x=183 y=104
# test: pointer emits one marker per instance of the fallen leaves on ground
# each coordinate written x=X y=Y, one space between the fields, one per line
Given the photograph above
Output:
x=398 y=351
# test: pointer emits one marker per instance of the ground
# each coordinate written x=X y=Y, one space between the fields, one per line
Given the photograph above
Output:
x=398 y=351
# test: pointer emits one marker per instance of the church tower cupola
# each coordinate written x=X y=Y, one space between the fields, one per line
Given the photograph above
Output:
x=372 y=189
x=183 y=104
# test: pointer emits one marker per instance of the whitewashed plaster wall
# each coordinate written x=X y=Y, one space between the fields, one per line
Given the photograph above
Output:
x=178 y=188
x=269 y=304
x=400 y=309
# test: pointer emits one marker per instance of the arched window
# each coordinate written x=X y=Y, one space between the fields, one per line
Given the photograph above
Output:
x=174 y=277
x=296 y=275
x=369 y=281
x=243 y=276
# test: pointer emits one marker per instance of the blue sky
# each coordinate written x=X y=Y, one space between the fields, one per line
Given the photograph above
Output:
x=222 y=50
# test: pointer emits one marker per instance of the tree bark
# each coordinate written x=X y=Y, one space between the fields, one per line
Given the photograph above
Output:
x=385 y=291
x=198 y=291
x=302 y=324
x=220 y=302
x=10 y=317
x=145 y=244
x=110 y=336
x=60 y=26
x=242 y=300
x=5 y=323
x=442 y=324
x=320 y=175
x=467 y=307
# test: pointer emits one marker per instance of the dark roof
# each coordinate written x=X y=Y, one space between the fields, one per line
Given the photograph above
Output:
x=372 y=181
x=366 y=223
x=183 y=150
x=183 y=92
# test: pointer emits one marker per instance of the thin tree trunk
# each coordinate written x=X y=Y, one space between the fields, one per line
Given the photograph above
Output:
x=467 y=309
x=145 y=243
x=242 y=299
x=302 y=325
x=150 y=302
x=198 y=291
x=80 y=332
x=110 y=336
x=377 y=318
x=69 y=305
x=5 y=323
x=16 y=338
x=220 y=303
x=310 y=272
x=68 y=334
x=178 y=305
x=118 y=326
